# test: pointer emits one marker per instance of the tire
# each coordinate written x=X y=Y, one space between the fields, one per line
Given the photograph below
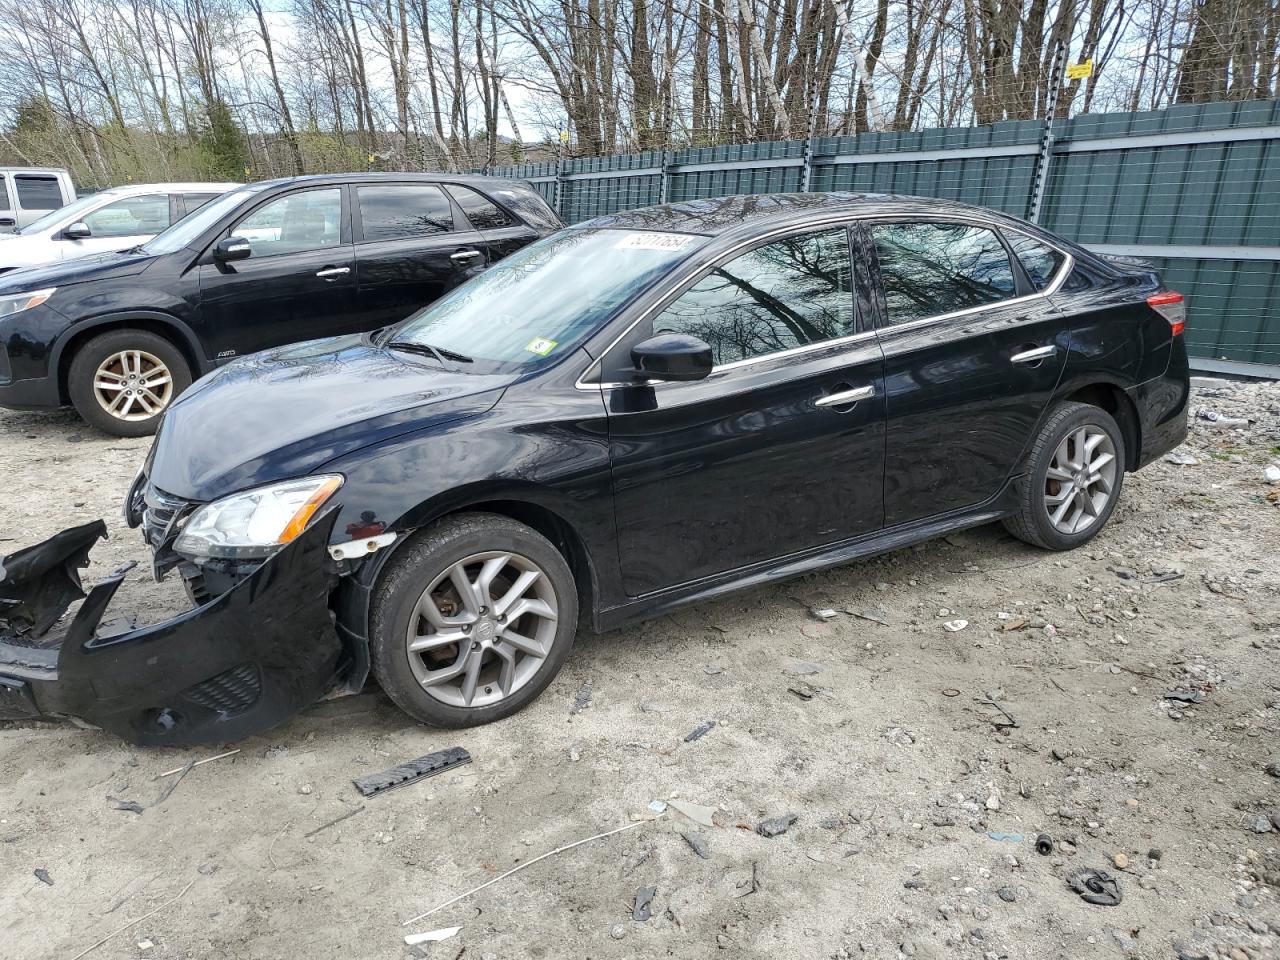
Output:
x=418 y=681
x=1040 y=492
x=114 y=357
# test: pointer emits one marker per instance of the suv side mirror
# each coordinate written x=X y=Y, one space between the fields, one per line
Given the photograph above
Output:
x=232 y=248
x=672 y=356
x=77 y=231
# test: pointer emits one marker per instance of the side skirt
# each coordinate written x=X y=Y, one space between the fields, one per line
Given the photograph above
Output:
x=670 y=599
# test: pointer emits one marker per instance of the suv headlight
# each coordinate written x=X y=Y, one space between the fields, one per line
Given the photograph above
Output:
x=17 y=302
x=255 y=523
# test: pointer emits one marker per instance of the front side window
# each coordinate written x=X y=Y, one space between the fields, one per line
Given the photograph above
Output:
x=929 y=269
x=38 y=193
x=782 y=295
x=1040 y=261
x=130 y=217
x=483 y=213
x=395 y=211
x=310 y=220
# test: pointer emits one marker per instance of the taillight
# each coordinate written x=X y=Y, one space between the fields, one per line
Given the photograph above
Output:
x=1172 y=307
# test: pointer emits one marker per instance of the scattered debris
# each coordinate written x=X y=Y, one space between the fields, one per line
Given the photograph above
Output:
x=874 y=614
x=950 y=692
x=1044 y=845
x=700 y=731
x=335 y=820
x=173 y=784
x=698 y=844
x=955 y=626
x=1184 y=696
x=1121 y=861
x=132 y=923
x=644 y=898
x=657 y=806
x=1095 y=886
x=517 y=869
x=43 y=876
x=802 y=669
x=582 y=700
x=145 y=945
x=131 y=806
x=1009 y=723
x=413 y=771
x=777 y=826
x=1182 y=458
x=1271 y=474
x=1005 y=837
x=749 y=885
x=1007 y=894
x=694 y=811
x=198 y=763
x=431 y=936
x=823 y=613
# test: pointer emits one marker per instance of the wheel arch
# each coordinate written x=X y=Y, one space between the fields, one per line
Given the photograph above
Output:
x=1112 y=398
x=160 y=324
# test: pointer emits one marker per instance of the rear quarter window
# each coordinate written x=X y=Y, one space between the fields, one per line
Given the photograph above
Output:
x=483 y=213
x=529 y=206
x=1041 y=261
x=38 y=192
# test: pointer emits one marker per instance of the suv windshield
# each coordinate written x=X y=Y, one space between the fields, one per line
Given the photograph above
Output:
x=64 y=215
x=536 y=305
x=190 y=228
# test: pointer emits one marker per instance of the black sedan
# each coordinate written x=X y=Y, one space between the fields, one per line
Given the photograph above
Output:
x=643 y=411
x=120 y=335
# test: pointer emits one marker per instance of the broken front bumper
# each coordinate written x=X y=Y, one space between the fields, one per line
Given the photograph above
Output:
x=234 y=666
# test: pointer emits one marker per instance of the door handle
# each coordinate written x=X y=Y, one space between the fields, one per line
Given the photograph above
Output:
x=846 y=396
x=330 y=272
x=8 y=222
x=464 y=255
x=1034 y=355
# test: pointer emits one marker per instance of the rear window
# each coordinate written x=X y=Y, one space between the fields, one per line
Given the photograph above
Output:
x=529 y=206
x=38 y=193
x=1040 y=261
x=403 y=210
x=483 y=213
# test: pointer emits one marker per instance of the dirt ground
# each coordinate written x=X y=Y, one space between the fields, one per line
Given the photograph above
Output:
x=918 y=803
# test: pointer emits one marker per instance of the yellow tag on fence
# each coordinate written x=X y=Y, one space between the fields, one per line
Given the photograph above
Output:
x=1080 y=71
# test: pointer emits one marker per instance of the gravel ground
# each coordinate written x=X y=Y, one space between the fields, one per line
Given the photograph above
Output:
x=920 y=763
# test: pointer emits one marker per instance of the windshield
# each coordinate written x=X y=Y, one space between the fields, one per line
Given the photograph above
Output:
x=64 y=215
x=190 y=228
x=537 y=305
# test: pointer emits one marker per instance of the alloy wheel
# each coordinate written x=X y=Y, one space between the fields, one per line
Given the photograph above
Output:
x=133 y=385
x=1081 y=479
x=482 y=629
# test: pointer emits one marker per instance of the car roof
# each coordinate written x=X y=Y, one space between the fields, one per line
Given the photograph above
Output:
x=752 y=213
x=324 y=179
x=137 y=188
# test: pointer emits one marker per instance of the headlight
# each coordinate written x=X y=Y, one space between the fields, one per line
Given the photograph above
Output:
x=255 y=523
x=17 y=302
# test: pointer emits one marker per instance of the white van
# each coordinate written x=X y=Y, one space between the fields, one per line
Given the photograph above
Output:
x=114 y=219
x=28 y=193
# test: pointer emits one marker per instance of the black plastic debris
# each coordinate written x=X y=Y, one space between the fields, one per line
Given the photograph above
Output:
x=777 y=826
x=644 y=898
x=1095 y=886
x=413 y=771
x=1184 y=696
x=1044 y=844
x=129 y=806
x=43 y=876
x=698 y=844
x=700 y=731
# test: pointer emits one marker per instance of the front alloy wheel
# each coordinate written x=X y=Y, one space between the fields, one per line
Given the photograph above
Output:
x=471 y=620
x=122 y=381
x=133 y=385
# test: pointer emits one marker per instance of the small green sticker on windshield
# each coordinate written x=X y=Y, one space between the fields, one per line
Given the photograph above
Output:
x=541 y=346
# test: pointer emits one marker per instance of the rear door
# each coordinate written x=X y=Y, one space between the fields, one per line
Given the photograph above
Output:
x=779 y=450
x=297 y=284
x=412 y=247
x=973 y=352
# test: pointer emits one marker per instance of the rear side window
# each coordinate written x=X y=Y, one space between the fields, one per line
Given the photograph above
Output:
x=483 y=213
x=930 y=269
x=38 y=193
x=395 y=211
x=779 y=296
x=1040 y=261
x=531 y=208
x=130 y=217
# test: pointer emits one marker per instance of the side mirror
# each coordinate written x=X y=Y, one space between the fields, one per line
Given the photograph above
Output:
x=232 y=248
x=672 y=356
x=77 y=231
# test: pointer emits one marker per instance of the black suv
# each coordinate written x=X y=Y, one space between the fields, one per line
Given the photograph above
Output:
x=120 y=335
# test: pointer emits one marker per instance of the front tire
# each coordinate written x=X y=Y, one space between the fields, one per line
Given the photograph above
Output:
x=472 y=619
x=123 y=380
x=1071 y=479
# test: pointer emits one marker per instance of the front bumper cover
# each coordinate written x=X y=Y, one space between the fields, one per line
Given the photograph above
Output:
x=238 y=665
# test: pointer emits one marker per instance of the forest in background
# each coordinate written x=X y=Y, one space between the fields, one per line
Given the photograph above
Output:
x=146 y=90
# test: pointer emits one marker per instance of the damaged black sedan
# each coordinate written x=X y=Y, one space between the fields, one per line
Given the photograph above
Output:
x=644 y=411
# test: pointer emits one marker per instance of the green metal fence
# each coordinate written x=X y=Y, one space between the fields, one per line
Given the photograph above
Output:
x=1194 y=188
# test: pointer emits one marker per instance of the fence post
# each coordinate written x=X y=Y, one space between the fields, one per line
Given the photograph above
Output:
x=806 y=174
x=1040 y=178
x=561 y=177
x=664 y=192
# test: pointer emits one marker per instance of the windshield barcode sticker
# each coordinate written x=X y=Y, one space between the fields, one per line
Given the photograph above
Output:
x=541 y=346
x=654 y=241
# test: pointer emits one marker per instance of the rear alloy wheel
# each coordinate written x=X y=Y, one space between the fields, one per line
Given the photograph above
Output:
x=1072 y=478
x=472 y=620
x=123 y=380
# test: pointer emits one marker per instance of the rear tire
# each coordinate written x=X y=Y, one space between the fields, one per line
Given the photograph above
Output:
x=122 y=381
x=489 y=607
x=1071 y=478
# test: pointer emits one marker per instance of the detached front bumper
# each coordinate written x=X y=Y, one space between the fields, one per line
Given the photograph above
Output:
x=237 y=665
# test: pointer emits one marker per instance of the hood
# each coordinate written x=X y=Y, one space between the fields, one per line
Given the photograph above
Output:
x=284 y=413
x=65 y=273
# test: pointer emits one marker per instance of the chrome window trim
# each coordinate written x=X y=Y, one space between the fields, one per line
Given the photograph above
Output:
x=848 y=220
